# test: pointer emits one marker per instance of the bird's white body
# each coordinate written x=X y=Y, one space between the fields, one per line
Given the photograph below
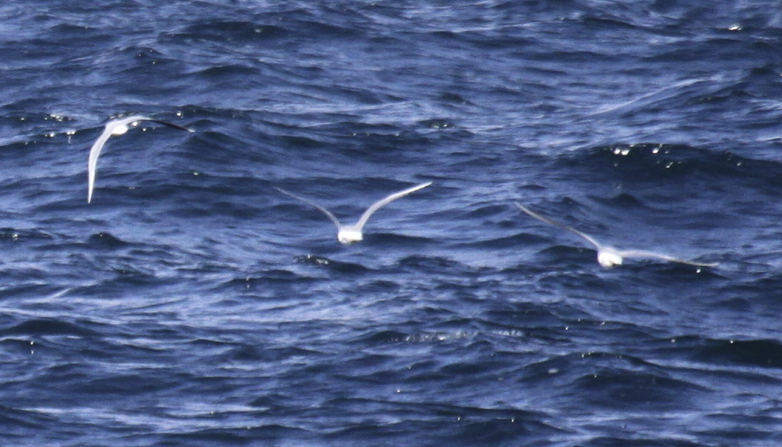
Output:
x=610 y=256
x=120 y=129
x=348 y=234
x=114 y=128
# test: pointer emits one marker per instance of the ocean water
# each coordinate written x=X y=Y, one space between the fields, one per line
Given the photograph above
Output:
x=192 y=304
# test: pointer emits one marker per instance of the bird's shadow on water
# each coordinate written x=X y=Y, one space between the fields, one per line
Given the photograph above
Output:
x=331 y=264
x=563 y=254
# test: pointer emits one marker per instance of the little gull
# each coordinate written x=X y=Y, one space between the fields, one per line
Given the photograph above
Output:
x=115 y=127
x=348 y=234
x=610 y=256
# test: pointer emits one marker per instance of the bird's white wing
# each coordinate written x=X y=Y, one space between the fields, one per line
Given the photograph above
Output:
x=652 y=255
x=381 y=203
x=309 y=202
x=585 y=236
x=92 y=163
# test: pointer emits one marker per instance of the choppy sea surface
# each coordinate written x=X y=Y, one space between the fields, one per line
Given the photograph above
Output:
x=192 y=304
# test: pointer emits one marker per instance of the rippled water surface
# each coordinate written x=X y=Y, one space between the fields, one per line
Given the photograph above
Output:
x=191 y=303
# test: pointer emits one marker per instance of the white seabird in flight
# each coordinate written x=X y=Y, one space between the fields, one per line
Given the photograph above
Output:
x=609 y=256
x=348 y=234
x=113 y=128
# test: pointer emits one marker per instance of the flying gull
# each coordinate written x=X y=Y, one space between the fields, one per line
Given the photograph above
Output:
x=609 y=256
x=348 y=234
x=113 y=128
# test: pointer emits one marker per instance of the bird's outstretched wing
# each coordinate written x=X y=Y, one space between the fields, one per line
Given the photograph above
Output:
x=585 y=236
x=381 y=203
x=309 y=202
x=166 y=123
x=652 y=255
x=92 y=162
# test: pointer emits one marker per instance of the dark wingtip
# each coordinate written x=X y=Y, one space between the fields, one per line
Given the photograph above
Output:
x=175 y=126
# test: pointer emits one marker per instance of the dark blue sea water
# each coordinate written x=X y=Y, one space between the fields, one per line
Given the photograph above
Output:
x=192 y=304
